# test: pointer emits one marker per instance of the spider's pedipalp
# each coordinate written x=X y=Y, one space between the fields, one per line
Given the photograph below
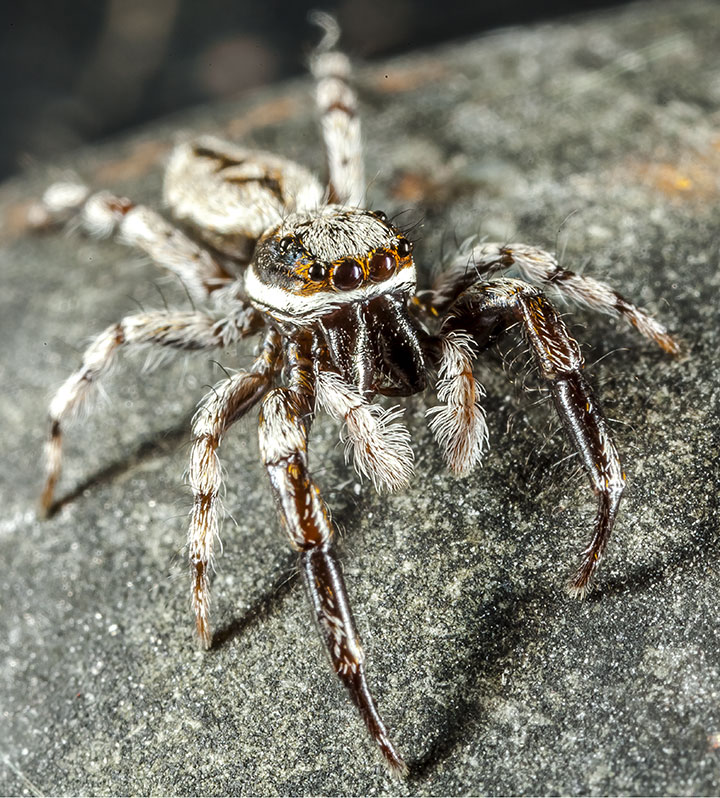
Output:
x=179 y=330
x=459 y=423
x=220 y=409
x=379 y=443
x=486 y=306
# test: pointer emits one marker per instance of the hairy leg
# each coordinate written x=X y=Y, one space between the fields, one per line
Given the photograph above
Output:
x=379 y=443
x=284 y=422
x=103 y=214
x=339 y=120
x=503 y=302
x=175 y=330
x=219 y=410
x=459 y=423
x=540 y=267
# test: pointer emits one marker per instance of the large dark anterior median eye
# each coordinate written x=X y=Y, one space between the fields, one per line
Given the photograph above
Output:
x=347 y=275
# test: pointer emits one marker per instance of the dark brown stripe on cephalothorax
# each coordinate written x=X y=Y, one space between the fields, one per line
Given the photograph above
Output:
x=223 y=161
x=272 y=184
x=345 y=109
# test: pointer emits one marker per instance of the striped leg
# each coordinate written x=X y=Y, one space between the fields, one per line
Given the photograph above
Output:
x=219 y=410
x=103 y=214
x=337 y=104
x=501 y=303
x=459 y=423
x=175 y=330
x=284 y=422
x=539 y=267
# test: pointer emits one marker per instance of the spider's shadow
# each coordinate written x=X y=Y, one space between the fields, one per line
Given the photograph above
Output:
x=261 y=609
x=506 y=621
x=159 y=444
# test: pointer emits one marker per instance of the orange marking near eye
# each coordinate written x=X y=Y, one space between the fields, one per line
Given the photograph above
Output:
x=310 y=286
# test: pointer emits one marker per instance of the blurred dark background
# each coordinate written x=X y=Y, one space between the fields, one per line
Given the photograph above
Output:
x=79 y=70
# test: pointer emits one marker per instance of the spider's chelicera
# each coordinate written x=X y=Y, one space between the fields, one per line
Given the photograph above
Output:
x=331 y=287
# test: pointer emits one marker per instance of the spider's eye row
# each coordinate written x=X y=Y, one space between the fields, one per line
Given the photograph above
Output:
x=348 y=275
x=318 y=271
x=381 y=215
x=285 y=243
x=404 y=247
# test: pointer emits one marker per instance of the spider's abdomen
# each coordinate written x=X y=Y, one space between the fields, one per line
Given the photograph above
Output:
x=315 y=263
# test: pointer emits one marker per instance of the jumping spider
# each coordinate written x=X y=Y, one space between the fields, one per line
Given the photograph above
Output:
x=331 y=288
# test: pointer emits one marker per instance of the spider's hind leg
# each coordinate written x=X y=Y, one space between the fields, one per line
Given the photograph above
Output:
x=284 y=423
x=499 y=304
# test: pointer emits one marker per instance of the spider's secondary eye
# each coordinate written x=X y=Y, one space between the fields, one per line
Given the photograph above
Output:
x=380 y=215
x=285 y=243
x=382 y=265
x=317 y=272
x=347 y=275
x=404 y=247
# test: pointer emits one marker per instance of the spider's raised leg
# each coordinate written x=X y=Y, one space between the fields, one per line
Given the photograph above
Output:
x=484 y=310
x=540 y=267
x=285 y=418
x=339 y=119
x=188 y=330
x=218 y=411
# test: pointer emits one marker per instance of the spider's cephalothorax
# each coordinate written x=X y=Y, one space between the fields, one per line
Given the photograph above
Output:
x=348 y=275
x=331 y=287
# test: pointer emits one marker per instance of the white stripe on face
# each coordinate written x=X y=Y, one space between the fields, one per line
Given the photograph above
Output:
x=288 y=305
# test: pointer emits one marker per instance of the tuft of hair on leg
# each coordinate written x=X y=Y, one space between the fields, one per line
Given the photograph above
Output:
x=459 y=424
x=378 y=443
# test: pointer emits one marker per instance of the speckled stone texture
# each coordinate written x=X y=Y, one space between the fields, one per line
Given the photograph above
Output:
x=597 y=136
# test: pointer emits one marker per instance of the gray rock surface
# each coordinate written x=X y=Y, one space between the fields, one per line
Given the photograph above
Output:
x=599 y=136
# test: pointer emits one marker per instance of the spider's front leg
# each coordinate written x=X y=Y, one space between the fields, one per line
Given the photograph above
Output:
x=179 y=330
x=484 y=310
x=285 y=419
x=219 y=410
